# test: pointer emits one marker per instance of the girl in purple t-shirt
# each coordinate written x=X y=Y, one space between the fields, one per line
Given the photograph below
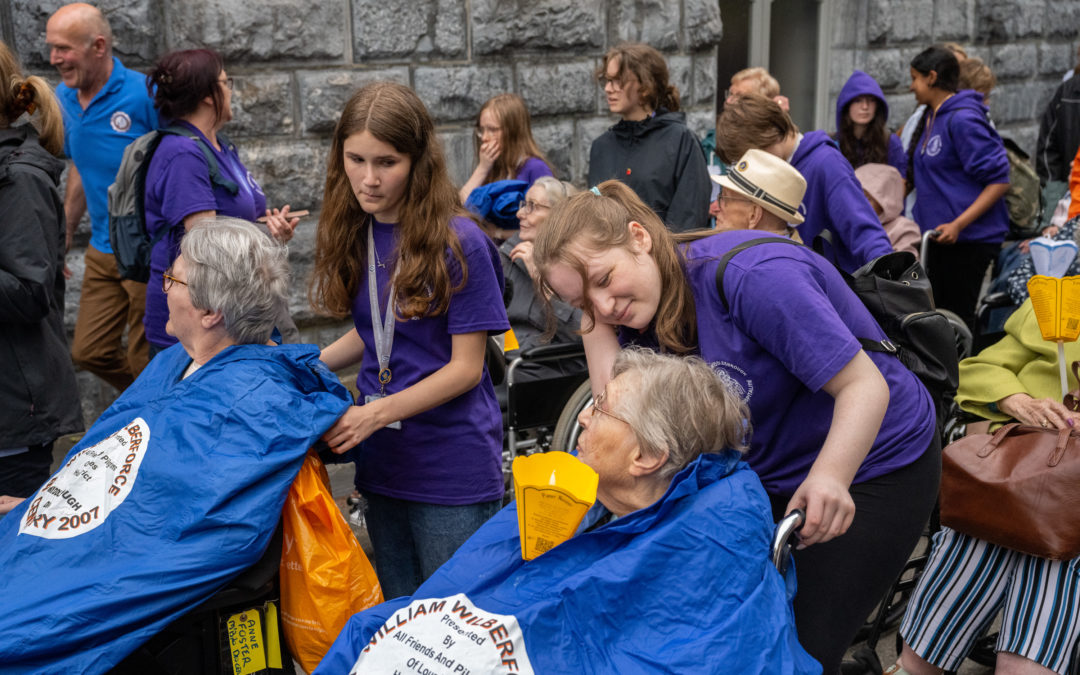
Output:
x=424 y=287
x=192 y=91
x=847 y=436
x=506 y=149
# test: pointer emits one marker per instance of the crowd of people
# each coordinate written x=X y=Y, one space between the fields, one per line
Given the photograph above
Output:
x=723 y=344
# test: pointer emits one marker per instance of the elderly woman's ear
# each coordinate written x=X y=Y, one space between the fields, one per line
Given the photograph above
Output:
x=642 y=464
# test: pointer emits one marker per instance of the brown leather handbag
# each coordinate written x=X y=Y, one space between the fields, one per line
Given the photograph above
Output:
x=1019 y=488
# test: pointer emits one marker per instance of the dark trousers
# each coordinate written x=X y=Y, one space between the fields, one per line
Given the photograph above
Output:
x=956 y=273
x=840 y=581
x=22 y=474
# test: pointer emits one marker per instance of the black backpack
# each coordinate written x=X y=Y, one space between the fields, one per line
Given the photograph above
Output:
x=130 y=241
x=896 y=291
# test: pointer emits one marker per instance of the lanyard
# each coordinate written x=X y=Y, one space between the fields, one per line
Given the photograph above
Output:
x=383 y=328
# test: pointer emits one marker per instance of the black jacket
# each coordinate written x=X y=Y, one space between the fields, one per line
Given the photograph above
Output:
x=1059 y=133
x=39 y=400
x=661 y=159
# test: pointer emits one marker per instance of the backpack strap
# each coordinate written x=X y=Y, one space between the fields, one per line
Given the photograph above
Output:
x=735 y=251
x=216 y=176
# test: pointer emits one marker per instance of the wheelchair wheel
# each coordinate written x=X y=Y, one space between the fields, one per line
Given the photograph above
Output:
x=566 y=433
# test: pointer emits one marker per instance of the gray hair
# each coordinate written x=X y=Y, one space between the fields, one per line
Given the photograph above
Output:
x=680 y=406
x=556 y=190
x=235 y=268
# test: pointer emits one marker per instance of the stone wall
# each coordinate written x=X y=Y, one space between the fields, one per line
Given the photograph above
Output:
x=295 y=63
x=1029 y=44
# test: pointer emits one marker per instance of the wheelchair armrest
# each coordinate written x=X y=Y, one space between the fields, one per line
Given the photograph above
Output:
x=999 y=299
x=783 y=536
x=551 y=351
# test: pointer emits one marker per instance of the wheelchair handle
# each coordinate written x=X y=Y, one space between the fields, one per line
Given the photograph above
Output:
x=785 y=531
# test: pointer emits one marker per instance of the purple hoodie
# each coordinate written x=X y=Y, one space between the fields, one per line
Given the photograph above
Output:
x=956 y=158
x=861 y=84
x=834 y=201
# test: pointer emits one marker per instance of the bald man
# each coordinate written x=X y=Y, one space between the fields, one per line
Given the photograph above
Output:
x=105 y=106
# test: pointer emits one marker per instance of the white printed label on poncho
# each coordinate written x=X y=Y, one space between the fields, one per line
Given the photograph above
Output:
x=445 y=636
x=87 y=489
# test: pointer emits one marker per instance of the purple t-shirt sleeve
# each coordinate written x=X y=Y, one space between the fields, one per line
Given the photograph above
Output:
x=533 y=168
x=781 y=304
x=479 y=305
x=182 y=180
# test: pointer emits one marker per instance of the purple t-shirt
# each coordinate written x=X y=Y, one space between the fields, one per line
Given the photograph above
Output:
x=451 y=454
x=178 y=185
x=533 y=168
x=792 y=327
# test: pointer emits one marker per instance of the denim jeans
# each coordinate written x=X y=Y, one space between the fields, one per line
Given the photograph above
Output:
x=413 y=539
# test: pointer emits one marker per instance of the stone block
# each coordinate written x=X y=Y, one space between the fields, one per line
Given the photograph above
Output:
x=262 y=105
x=558 y=88
x=846 y=21
x=289 y=171
x=841 y=66
x=403 y=28
x=1012 y=61
x=556 y=140
x=1007 y=20
x=894 y=21
x=323 y=93
x=585 y=132
x=701 y=122
x=679 y=75
x=95 y=396
x=654 y=22
x=135 y=25
x=952 y=20
x=1056 y=59
x=704 y=28
x=460 y=152
x=1018 y=102
x=704 y=70
x=1025 y=135
x=888 y=67
x=457 y=92
x=900 y=108
x=1062 y=18
x=566 y=25
x=272 y=30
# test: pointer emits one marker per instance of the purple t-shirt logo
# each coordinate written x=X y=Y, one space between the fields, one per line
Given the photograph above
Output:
x=736 y=379
x=934 y=146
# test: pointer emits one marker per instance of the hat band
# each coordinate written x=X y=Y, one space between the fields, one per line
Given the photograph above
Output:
x=758 y=193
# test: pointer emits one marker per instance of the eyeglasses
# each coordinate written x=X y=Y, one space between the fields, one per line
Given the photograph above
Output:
x=598 y=407
x=228 y=82
x=486 y=131
x=528 y=207
x=731 y=198
x=167 y=281
x=616 y=83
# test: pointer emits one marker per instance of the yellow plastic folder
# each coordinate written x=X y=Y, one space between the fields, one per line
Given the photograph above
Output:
x=554 y=490
x=1057 y=306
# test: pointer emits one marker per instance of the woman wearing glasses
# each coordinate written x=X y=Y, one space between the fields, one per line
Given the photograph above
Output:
x=650 y=149
x=505 y=146
x=527 y=313
x=193 y=93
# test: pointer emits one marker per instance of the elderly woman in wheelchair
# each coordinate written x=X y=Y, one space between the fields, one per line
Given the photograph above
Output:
x=967 y=581
x=670 y=572
x=178 y=486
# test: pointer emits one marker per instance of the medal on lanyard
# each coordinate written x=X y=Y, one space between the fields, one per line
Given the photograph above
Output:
x=381 y=327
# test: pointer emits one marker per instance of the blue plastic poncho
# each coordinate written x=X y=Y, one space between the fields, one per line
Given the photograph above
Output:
x=175 y=490
x=683 y=586
x=498 y=202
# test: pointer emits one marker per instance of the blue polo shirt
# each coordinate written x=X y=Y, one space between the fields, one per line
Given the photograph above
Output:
x=95 y=138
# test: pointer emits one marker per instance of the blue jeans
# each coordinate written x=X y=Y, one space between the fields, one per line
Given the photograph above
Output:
x=413 y=539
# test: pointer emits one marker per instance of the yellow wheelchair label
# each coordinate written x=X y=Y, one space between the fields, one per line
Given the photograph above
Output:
x=246 y=644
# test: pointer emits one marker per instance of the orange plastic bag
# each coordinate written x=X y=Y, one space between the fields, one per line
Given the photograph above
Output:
x=325 y=576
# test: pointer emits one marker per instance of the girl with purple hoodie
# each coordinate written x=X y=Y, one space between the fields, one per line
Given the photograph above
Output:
x=960 y=169
x=861 y=114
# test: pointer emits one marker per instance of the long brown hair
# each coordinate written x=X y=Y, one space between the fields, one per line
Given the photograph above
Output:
x=598 y=223
x=21 y=93
x=873 y=147
x=518 y=144
x=393 y=114
x=649 y=67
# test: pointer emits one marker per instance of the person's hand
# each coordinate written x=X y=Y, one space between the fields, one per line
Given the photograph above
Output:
x=524 y=253
x=1024 y=246
x=489 y=152
x=279 y=223
x=1050 y=232
x=352 y=428
x=828 y=506
x=949 y=232
x=67 y=271
x=1039 y=412
x=7 y=503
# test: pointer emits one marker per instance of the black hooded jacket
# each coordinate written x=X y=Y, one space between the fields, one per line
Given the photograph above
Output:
x=661 y=159
x=39 y=400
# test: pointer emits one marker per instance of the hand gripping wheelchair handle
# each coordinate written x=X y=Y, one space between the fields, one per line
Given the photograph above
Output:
x=784 y=538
